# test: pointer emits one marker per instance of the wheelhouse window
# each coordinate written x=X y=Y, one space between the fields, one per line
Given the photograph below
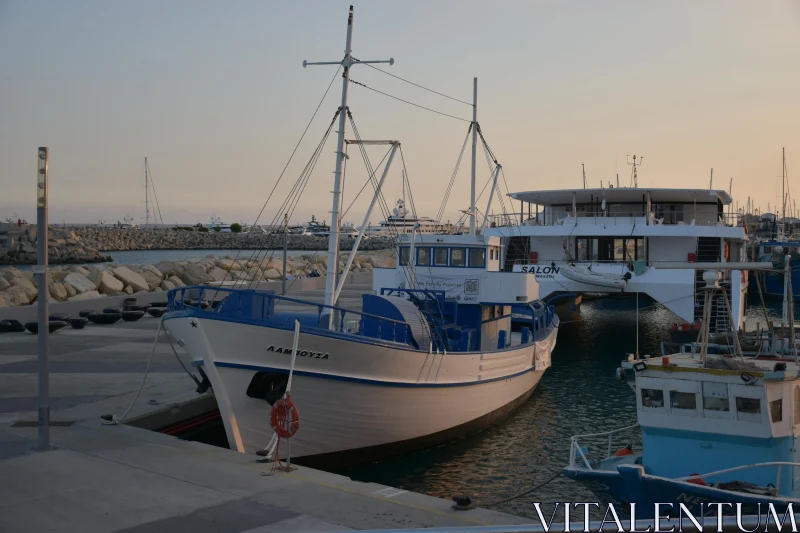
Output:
x=652 y=398
x=405 y=253
x=477 y=257
x=776 y=410
x=458 y=257
x=423 y=256
x=682 y=400
x=715 y=397
x=748 y=409
x=440 y=257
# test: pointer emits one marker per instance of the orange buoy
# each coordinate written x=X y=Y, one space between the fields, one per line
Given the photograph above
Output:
x=622 y=452
x=697 y=480
x=284 y=418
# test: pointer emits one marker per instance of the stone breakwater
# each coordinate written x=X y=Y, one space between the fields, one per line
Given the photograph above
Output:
x=113 y=240
x=96 y=281
x=84 y=245
x=18 y=246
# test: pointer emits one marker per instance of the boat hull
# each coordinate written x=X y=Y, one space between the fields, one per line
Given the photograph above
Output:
x=357 y=401
x=630 y=484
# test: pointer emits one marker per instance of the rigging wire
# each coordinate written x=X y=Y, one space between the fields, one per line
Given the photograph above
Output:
x=440 y=213
x=313 y=116
x=410 y=103
x=414 y=84
x=155 y=196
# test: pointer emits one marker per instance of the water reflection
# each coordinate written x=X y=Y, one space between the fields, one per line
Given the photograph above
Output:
x=579 y=394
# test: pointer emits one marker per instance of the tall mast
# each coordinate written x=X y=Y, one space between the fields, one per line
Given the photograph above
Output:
x=783 y=190
x=333 y=241
x=146 y=197
x=474 y=148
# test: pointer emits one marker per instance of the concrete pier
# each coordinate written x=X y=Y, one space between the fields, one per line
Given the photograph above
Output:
x=115 y=478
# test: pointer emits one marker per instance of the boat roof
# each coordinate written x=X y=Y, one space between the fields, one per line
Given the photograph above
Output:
x=720 y=365
x=621 y=194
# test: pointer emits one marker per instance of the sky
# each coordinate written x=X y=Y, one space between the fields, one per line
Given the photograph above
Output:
x=214 y=94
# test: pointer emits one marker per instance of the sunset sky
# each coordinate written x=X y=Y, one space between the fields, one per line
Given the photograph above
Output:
x=215 y=95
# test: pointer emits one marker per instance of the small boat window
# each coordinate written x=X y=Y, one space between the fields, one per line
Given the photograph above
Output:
x=405 y=252
x=682 y=400
x=797 y=405
x=748 y=409
x=457 y=257
x=477 y=257
x=440 y=257
x=652 y=398
x=424 y=256
x=776 y=410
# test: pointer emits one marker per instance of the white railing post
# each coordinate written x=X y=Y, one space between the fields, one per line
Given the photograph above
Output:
x=609 y=445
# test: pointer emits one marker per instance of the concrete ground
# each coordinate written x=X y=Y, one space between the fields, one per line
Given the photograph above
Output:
x=115 y=478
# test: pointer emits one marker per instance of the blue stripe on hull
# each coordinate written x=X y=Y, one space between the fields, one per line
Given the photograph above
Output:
x=380 y=383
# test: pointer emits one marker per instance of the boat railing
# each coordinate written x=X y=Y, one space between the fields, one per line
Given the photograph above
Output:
x=613 y=217
x=578 y=453
x=260 y=306
x=779 y=464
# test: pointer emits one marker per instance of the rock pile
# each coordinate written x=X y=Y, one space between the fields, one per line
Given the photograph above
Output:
x=113 y=239
x=95 y=281
x=18 y=246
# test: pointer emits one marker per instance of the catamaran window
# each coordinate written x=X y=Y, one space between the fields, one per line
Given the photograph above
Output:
x=405 y=252
x=609 y=249
x=477 y=257
x=457 y=257
x=424 y=256
x=748 y=409
x=652 y=398
x=440 y=257
x=682 y=400
x=715 y=397
x=776 y=410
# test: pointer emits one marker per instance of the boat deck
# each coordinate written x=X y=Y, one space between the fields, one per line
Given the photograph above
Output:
x=715 y=363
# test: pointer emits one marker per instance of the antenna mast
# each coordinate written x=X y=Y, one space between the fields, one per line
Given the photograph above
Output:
x=333 y=241
x=634 y=164
x=146 y=197
x=583 y=169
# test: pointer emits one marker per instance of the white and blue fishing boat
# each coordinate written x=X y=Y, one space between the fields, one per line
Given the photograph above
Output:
x=711 y=428
x=429 y=356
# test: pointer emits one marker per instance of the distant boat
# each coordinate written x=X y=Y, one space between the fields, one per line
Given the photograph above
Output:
x=314 y=227
x=401 y=222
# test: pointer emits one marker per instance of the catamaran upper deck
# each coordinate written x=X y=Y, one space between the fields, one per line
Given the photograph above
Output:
x=648 y=207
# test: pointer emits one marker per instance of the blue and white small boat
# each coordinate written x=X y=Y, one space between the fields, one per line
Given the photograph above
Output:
x=711 y=428
x=428 y=357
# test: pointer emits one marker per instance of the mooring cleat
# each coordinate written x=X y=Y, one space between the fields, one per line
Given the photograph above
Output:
x=463 y=502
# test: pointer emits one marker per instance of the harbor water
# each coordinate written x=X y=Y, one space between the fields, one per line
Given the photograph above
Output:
x=580 y=394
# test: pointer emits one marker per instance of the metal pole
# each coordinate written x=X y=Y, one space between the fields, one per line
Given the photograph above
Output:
x=41 y=274
x=285 y=238
x=474 y=148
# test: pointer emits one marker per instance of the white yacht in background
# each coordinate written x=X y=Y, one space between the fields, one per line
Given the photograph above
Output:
x=402 y=222
x=313 y=227
x=623 y=240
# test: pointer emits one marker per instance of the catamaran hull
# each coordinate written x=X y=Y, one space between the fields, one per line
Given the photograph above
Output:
x=631 y=485
x=357 y=401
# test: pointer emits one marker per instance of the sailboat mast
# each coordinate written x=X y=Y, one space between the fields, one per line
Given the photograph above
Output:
x=783 y=191
x=146 y=197
x=474 y=148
